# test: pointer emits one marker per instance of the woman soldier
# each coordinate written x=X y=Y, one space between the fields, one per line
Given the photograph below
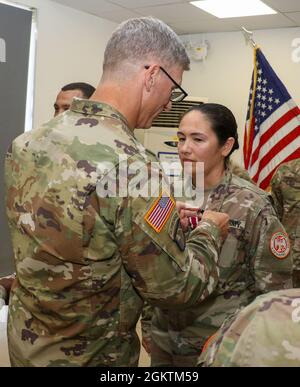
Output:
x=255 y=257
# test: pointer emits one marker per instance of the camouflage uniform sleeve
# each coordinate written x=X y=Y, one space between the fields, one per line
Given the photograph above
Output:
x=146 y=322
x=276 y=193
x=263 y=334
x=218 y=349
x=271 y=259
x=164 y=268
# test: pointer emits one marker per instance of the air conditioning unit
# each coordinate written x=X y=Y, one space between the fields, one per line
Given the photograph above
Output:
x=161 y=139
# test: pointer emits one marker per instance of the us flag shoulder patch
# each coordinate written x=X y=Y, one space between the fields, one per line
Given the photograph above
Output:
x=160 y=212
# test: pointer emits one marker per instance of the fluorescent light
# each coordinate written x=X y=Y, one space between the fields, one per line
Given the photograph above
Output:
x=234 y=8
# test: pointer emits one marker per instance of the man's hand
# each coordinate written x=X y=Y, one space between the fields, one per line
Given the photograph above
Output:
x=7 y=282
x=146 y=342
x=185 y=213
x=190 y=217
x=221 y=220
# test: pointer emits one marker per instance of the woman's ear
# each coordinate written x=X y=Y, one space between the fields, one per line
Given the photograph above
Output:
x=227 y=147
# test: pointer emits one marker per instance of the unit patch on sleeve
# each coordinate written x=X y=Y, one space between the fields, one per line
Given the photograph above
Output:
x=280 y=245
x=160 y=212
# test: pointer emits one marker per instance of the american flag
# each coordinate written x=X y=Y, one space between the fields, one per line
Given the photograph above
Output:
x=272 y=134
x=160 y=212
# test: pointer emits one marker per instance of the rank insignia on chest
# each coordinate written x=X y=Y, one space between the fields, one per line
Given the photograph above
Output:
x=160 y=212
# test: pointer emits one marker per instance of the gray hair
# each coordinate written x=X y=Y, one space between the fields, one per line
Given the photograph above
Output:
x=140 y=39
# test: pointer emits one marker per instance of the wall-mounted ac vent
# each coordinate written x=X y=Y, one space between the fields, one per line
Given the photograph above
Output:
x=171 y=118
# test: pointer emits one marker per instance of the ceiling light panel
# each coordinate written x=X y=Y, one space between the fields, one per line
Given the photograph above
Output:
x=234 y=8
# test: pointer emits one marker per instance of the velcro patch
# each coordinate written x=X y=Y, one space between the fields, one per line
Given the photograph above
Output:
x=160 y=212
x=280 y=245
x=176 y=233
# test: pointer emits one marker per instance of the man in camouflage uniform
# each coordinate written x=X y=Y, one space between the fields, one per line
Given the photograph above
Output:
x=254 y=259
x=62 y=103
x=264 y=334
x=85 y=259
x=286 y=195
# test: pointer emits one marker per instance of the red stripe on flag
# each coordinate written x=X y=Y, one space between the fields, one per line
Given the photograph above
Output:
x=276 y=149
x=159 y=214
x=162 y=216
x=274 y=129
x=266 y=182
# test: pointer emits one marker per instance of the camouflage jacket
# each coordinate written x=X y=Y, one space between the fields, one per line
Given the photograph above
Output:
x=286 y=194
x=84 y=261
x=248 y=267
x=239 y=171
x=264 y=334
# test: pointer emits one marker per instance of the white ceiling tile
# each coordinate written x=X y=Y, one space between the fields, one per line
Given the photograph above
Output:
x=284 y=5
x=295 y=16
x=91 y=6
x=142 y=3
x=176 y=12
x=120 y=16
x=178 y=30
x=262 y=22
x=184 y=17
x=203 y=26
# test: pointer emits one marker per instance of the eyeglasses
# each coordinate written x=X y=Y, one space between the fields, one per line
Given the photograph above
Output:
x=177 y=94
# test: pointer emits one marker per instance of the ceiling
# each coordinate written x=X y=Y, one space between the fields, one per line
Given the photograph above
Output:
x=184 y=18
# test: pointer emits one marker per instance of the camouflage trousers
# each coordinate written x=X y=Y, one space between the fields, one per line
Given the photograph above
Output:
x=161 y=358
x=170 y=351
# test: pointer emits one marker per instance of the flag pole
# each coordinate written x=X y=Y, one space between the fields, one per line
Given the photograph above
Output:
x=249 y=40
x=249 y=37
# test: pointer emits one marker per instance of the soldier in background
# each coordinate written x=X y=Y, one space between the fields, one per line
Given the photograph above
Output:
x=255 y=256
x=266 y=333
x=86 y=257
x=285 y=186
x=65 y=96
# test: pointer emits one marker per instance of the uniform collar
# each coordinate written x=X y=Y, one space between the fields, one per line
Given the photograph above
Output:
x=218 y=194
x=95 y=108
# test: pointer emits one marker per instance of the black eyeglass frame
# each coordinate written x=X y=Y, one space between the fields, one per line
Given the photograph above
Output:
x=184 y=93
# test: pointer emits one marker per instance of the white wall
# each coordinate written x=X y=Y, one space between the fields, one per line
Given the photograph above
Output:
x=71 y=45
x=225 y=76
x=70 y=48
